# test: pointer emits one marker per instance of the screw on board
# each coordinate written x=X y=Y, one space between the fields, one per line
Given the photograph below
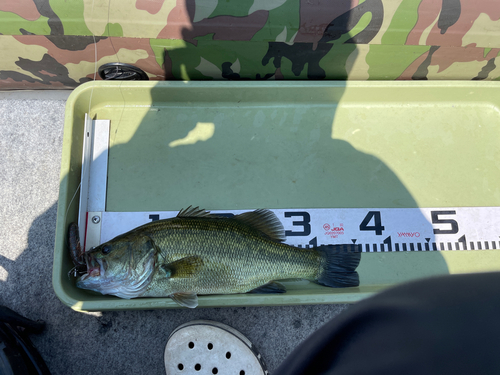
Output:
x=96 y=219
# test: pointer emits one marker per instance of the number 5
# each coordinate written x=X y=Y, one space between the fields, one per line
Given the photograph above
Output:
x=437 y=220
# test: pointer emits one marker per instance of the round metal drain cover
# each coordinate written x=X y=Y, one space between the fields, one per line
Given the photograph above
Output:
x=207 y=347
x=122 y=72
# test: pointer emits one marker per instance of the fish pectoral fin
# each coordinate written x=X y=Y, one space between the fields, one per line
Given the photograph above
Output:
x=189 y=299
x=185 y=267
x=265 y=221
x=271 y=287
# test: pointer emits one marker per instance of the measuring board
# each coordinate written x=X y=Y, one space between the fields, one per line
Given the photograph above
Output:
x=374 y=230
x=371 y=229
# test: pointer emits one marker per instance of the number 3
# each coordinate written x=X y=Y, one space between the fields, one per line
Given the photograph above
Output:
x=306 y=219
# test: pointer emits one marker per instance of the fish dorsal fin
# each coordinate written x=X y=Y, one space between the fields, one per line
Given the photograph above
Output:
x=265 y=221
x=182 y=268
x=189 y=299
x=193 y=212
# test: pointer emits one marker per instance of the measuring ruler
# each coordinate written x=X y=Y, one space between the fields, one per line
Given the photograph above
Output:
x=373 y=230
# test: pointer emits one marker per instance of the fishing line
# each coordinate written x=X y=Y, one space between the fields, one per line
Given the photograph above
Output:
x=95 y=56
x=90 y=103
x=71 y=201
x=91 y=19
x=118 y=59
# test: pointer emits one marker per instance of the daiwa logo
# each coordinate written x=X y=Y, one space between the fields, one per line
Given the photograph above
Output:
x=408 y=234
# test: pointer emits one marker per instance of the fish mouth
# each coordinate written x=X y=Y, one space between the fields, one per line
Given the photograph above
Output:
x=95 y=267
x=126 y=283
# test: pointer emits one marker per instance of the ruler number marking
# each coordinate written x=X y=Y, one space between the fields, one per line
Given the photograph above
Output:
x=388 y=242
x=313 y=242
x=377 y=223
x=305 y=223
x=437 y=220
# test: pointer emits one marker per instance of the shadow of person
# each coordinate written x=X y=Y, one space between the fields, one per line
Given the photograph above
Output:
x=255 y=146
x=29 y=276
x=311 y=40
x=251 y=144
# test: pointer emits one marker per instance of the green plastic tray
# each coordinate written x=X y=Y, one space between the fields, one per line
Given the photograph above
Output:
x=289 y=145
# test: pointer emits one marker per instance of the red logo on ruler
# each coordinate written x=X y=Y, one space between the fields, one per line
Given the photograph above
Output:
x=333 y=231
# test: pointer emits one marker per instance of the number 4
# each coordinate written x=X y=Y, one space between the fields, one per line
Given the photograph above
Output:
x=377 y=223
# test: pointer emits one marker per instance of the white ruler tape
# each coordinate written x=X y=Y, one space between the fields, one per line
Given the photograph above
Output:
x=374 y=230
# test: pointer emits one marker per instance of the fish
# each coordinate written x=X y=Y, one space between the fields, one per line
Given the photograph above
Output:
x=199 y=253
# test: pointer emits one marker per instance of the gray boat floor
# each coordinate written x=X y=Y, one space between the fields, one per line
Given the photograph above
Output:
x=108 y=342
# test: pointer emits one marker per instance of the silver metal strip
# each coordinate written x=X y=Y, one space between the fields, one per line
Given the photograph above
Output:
x=99 y=166
x=85 y=175
x=93 y=180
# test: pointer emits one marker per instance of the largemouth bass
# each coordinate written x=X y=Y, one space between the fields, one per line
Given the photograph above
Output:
x=198 y=253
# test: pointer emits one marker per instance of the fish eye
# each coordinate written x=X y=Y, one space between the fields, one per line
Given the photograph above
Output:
x=106 y=249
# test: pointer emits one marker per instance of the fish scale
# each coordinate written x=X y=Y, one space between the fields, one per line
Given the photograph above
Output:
x=251 y=259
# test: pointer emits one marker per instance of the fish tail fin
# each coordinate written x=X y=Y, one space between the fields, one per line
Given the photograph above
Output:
x=339 y=263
